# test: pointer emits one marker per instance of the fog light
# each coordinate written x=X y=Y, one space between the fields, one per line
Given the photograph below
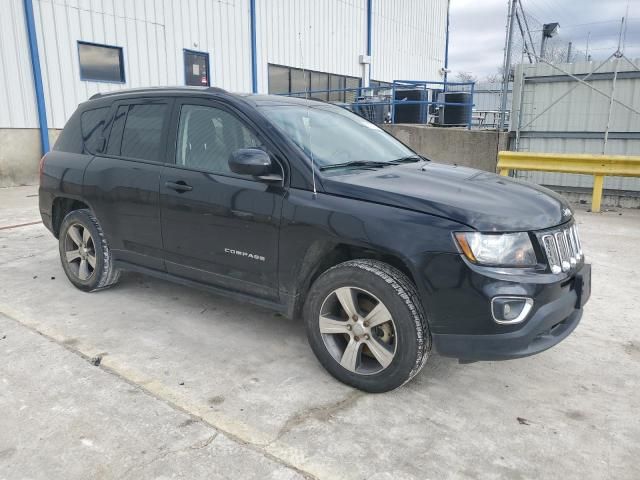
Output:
x=510 y=309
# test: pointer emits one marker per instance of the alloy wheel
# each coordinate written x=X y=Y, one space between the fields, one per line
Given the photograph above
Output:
x=80 y=252
x=358 y=330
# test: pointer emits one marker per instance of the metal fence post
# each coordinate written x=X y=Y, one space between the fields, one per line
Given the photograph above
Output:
x=470 y=115
x=596 y=198
x=393 y=103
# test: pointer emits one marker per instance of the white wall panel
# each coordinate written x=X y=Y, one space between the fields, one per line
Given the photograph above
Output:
x=328 y=36
x=408 y=39
x=152 y=33
x=548 y=107
x=17 y=95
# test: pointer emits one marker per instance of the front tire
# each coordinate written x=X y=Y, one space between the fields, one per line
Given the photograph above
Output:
x=366 y=325
x=84 y=252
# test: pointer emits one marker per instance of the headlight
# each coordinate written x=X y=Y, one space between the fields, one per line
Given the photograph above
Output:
x=504 y=249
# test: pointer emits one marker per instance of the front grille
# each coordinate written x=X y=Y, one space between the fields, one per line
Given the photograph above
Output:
x=563 y=248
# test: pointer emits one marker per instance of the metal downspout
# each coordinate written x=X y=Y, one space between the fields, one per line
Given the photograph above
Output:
x=37 y=75
x=369 y=39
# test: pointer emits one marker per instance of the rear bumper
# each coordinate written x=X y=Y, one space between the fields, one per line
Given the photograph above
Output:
x=551 y=323
x=45 y=201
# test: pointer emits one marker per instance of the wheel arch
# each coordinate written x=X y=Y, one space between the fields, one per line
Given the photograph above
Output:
x=321 y=258
x=61 y=207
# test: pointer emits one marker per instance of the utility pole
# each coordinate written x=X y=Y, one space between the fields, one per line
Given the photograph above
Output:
x=526 y=26
x=569 y=52
x=524 y=39
x=618 y=56
x=506 y=66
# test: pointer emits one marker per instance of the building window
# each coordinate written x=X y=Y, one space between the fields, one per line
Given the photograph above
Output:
x=196 y=68
x=284 y=80
x=278 y=79
x=380 y=84
x=336 y=82
x=100 y=63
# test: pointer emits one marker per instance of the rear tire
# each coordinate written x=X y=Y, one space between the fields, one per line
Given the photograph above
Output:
x=84 y=252
x=366 y=325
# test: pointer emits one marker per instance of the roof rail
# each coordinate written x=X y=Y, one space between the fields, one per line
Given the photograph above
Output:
x=155 y=89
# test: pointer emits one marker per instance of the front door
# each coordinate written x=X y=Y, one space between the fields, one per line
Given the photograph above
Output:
x=218 y=227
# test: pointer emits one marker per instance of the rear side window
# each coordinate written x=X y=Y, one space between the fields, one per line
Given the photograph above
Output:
x=93 y=123
x=137 y=132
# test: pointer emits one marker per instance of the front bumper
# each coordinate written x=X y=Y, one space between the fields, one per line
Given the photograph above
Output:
x=558 y=311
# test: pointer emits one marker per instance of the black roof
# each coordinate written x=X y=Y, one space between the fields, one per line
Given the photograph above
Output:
x=254 y=99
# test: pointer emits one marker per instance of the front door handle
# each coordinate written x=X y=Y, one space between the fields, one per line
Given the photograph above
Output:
x=178 y=186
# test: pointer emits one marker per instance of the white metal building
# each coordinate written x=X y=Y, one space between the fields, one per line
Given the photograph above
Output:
x=89 y=46
x=553 y=112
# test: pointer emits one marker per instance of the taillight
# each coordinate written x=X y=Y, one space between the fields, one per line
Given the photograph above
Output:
x=41 y=166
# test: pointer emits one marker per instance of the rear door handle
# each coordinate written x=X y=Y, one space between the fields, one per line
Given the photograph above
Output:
x=178 y=186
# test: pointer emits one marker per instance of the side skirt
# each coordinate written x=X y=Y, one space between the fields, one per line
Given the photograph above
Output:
x=282 y=308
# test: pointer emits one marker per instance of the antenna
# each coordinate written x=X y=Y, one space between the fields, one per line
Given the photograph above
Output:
x=307 y=89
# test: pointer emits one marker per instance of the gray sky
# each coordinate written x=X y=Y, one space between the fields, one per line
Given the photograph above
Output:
x=478 y=29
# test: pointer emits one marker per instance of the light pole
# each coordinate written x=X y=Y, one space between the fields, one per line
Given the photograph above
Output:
x=548 y=30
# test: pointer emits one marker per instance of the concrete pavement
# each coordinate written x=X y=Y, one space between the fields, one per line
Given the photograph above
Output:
x=64 y=418
x=249 y=377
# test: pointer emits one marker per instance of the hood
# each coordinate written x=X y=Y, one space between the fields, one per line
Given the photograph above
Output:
x=482 y=200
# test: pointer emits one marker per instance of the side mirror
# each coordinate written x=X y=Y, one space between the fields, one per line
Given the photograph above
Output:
x=250 y=161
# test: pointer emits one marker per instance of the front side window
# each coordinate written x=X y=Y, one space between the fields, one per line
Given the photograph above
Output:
x=207 y=136
x=137 y=132
x=100 y=63
x=333 y=135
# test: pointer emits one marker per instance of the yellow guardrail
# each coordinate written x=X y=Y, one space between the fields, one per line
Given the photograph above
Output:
x=597 y=165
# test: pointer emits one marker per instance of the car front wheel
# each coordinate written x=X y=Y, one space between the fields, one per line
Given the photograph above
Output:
x=366 y=325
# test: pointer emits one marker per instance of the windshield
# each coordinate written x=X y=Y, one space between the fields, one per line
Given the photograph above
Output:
x=333 y=135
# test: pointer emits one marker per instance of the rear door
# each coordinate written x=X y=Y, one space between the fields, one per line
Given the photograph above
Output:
x=122 y=182
x=219 y=227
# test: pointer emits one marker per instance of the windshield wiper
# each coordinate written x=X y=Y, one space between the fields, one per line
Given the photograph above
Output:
x=407 y=159
x=355 y=163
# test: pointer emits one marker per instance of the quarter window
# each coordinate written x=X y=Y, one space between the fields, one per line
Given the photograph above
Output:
x=100 y=63
x=207 y=136
x=93 y=122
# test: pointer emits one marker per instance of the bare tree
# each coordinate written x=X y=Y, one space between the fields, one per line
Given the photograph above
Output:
x=557 y=53
x=494 y=77
x=466 y=77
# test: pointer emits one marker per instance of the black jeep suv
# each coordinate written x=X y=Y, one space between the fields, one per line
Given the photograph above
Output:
x=306 y=208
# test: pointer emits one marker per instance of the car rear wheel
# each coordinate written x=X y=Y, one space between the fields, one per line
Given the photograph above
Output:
x=366 y=325
x=84 y=252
